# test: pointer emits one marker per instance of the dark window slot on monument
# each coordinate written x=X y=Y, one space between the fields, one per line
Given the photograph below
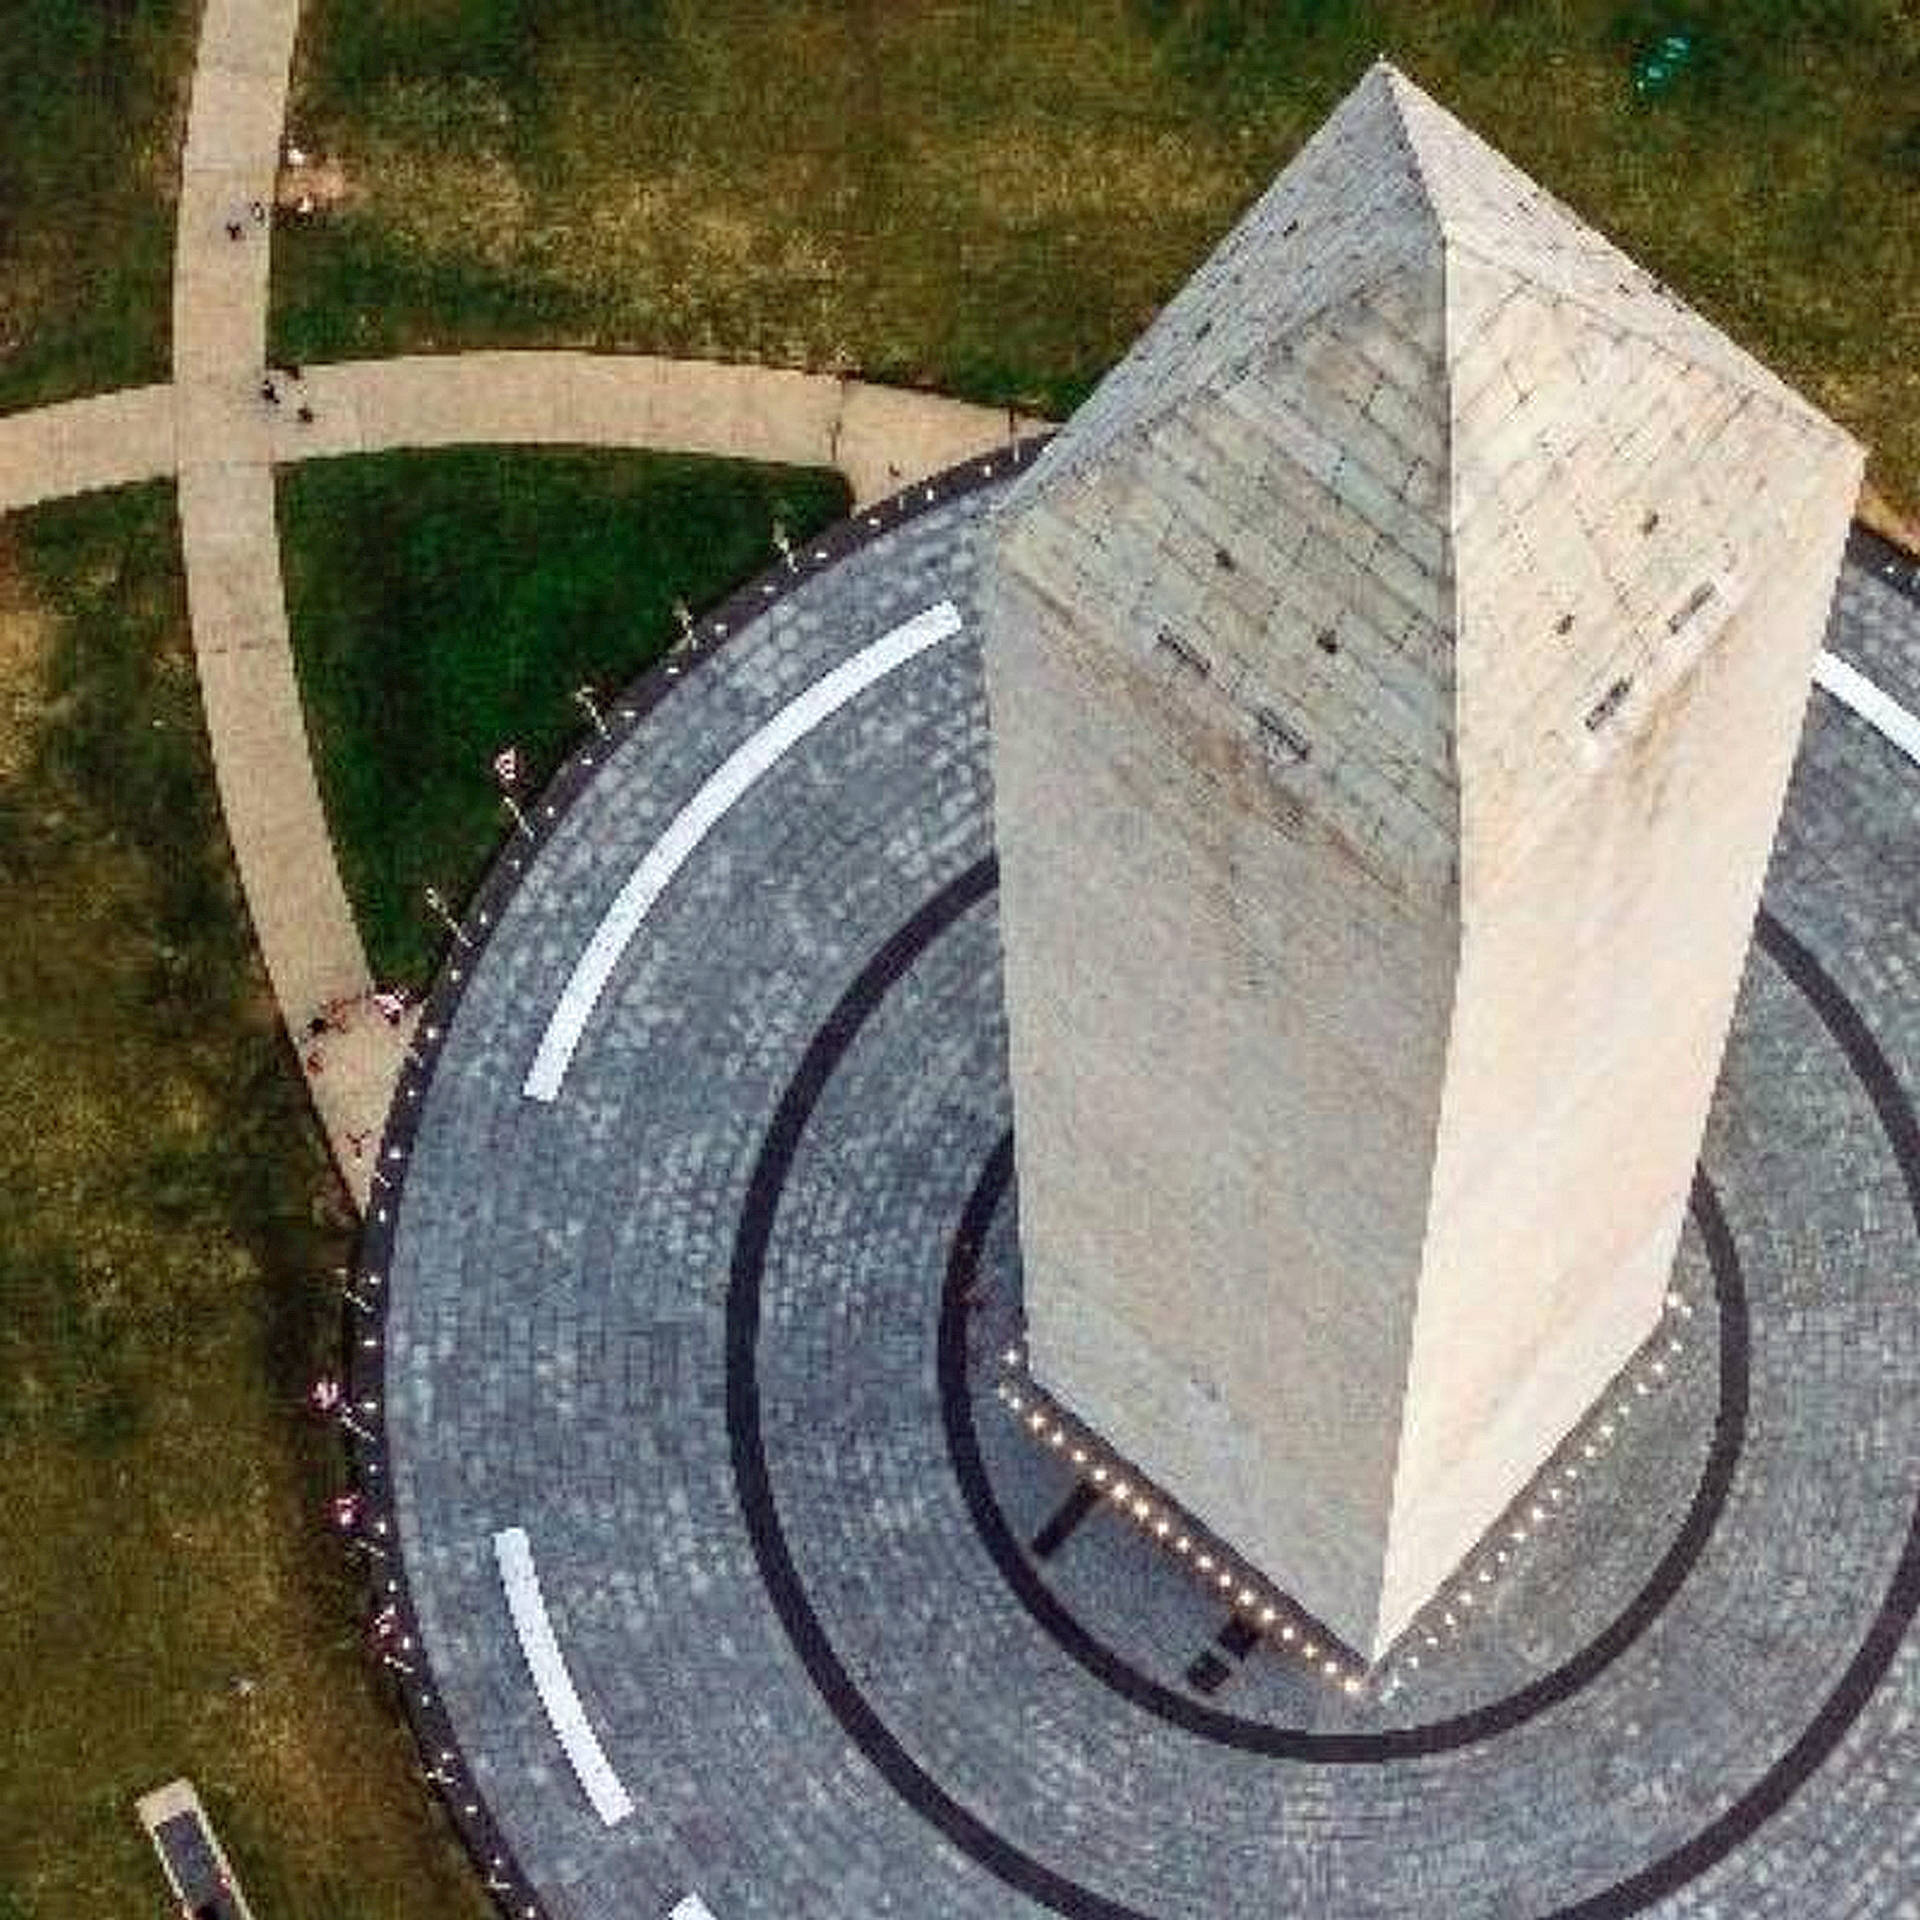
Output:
x=1277 y=737
x=1239 y=1637
x=1072 y=1510
x=1206 y=1673
x=1185 y=652
x=1697 y=599
x=1607 y=705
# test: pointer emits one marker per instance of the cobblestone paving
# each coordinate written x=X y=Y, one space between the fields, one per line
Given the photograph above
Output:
x=685 y=1325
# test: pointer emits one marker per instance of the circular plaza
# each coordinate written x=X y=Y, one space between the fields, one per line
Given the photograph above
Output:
x=737 y=1561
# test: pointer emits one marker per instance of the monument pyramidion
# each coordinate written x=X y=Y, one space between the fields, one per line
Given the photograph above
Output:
x=1395 y=669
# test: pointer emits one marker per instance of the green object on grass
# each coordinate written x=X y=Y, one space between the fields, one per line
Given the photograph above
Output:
x=1657 y=69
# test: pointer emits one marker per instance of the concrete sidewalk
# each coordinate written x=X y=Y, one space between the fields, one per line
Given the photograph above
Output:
x=108 y=440
x=880 y=438
x=230 y=549
x=216 y=432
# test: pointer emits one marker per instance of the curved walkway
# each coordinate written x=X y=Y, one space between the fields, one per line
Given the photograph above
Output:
x=211 y=430
x=879 y=438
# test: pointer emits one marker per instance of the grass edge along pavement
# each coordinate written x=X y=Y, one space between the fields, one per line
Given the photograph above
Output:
x=992 y=203
x=446 y=605
x=172 y=1601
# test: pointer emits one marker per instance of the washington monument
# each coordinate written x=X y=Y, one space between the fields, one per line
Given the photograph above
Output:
x=1395 y=670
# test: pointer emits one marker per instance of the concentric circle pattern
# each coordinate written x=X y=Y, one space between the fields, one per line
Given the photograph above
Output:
x=720 y=1327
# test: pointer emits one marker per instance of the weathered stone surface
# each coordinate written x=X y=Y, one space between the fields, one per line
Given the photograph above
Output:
x=1396 y=667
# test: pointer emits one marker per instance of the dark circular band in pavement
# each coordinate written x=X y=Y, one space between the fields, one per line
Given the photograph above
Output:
x=1345 y=1747
x=1019 y=1869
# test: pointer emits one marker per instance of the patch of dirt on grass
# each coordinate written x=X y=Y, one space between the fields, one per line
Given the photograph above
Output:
x=26 y=635
x=27 y=280
x=1878 y=512
x=1126 y=183
x=474 y=206
x=316 y=184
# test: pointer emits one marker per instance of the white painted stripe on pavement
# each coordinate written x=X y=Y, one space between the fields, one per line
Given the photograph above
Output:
x=552 y=1681
x=1880 y=710
x=691 y=1908
x=741 y=768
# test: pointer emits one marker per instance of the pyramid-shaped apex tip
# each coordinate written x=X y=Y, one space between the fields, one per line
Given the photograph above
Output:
x=1400 y=84
x=1384 y=85
x=1383 y=73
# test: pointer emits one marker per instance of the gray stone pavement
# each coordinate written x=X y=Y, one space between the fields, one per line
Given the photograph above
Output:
x=685 y=1325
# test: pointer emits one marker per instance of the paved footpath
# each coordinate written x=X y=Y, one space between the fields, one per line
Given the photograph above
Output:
x=231 y=551
x=212 y=429
x=879 y=438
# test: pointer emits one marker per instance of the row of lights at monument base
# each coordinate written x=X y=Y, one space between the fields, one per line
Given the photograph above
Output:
x=1548 y=1499
x=1132 y=1496
x=1446 y=1616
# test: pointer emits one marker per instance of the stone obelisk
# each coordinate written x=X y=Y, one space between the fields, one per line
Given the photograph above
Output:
x=1395 y=669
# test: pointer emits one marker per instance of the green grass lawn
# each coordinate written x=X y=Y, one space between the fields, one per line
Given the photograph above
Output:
x=93 y=97
x=169 y=1602
x=445 y=605
x=993 y=197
